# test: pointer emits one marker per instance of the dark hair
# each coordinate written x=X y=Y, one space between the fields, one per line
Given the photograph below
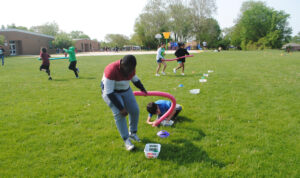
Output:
x=44 y=50
x=129 y=60
x=151 y=108
x=180 y=44
x=162 y=43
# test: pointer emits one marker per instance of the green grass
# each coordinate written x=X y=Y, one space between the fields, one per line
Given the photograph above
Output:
x=244 y=123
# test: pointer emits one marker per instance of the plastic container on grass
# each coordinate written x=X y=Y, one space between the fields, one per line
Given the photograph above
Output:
x=152 y=150
x=194 y=91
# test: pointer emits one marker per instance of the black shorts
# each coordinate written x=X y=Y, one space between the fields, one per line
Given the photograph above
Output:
x=72 y=65
x=44 y=67
x=182 y=60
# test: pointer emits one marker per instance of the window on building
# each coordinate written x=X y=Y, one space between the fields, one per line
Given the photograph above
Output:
x=50 y=45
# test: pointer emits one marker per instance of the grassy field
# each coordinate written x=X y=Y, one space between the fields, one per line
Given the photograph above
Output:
x=244 y=123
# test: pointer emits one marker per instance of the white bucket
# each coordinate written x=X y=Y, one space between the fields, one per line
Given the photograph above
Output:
x=152 y=150
x=195 y=91
x=205 y=75
x=203 y=80
x=210 y=71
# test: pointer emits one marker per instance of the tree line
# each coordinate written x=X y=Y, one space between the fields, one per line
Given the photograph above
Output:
x=258 y=26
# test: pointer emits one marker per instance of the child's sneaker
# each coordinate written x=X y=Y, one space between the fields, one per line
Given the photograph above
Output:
x=77 y=77
x=163 y=73
x=182 y=73
x=134 y=137
x=129 y=146
x=50 y=78
x=77 y=70
x=174 y=70
x=157 y=75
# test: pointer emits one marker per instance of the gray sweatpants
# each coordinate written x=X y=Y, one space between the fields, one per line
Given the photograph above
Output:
x=127 y=99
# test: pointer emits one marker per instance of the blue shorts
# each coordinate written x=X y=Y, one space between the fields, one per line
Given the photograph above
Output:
x=159 y=60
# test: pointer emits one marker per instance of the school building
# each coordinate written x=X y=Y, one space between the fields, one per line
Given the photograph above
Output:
x=86 y=45
x=22 y=42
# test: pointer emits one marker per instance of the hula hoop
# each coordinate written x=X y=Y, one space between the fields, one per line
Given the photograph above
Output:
x=177 y=58
x=163 y=94
x=56 y=58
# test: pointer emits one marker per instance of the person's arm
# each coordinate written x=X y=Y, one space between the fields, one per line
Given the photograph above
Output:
x=108 y=87
x=186 y=52
x=149 y=121
x=137 y=83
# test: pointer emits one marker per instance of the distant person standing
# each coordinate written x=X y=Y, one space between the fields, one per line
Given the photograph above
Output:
x=73 y=61
x=204 y=43
x=2 y=54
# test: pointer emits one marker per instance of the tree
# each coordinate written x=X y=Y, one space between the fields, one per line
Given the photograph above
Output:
x=201 y=11
x=13 y=26
x=209 y=32
x=2 y=39
x=260 y=26
x=152 y=21
x=296 y=38
x=79 y=35
x=47 y=28
x=180 y=20
x=63 y=40
x=116 y=40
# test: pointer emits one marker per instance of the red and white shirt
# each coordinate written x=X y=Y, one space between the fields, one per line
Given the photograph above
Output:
x=113 y=79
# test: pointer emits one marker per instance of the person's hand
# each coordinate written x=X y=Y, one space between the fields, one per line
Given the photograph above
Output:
x=144 y=91
x=124 y=112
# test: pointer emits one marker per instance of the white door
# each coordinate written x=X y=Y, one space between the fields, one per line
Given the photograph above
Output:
x=12 y=48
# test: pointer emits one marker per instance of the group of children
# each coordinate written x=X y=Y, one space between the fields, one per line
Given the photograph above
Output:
x=160 y=107
x=46 y=62
x=116 y=91
x=181 y=51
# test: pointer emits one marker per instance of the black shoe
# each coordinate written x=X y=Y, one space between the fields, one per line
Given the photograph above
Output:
x=50 y=78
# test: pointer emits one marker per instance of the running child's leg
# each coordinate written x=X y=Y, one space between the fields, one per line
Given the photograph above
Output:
x=72 y=66
x=158 y=67
x=165 y=66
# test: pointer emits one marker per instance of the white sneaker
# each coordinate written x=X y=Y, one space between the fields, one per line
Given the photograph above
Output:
x=129 y=146
x=182 y=73
x=134 y=137
x=174 y=70
x=163 y=73
x=157 y=75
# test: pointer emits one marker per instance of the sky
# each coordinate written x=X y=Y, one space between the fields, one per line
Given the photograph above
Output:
x=97 y=18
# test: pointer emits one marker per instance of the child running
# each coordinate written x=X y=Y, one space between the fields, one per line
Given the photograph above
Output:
x=159 y=108
x=179 y=53
x=159 y=56
x=46 y=63
x=73 y=61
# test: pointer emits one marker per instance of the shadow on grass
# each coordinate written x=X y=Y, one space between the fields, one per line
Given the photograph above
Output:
x=182 y=151
x=87 y=78
x=182 y=119
x=186 y=75
x=60 y=80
